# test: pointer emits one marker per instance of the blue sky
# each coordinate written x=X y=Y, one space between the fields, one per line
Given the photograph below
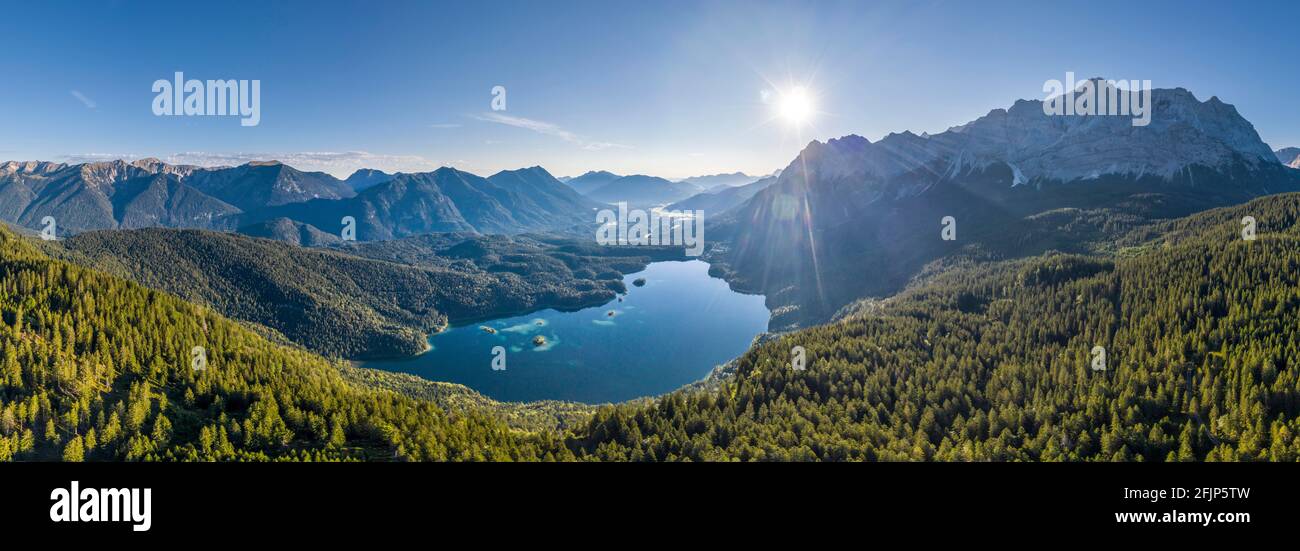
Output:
x=665 y=87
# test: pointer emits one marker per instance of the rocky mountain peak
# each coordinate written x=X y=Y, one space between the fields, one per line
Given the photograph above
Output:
x=1182 y=132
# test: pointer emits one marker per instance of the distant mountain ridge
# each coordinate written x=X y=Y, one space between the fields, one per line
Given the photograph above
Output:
x=606 y=186
x=713 y=181
x=717 y=201
x=446 y=200
x=271 y=199
x=591 y=181
x=115 y=194
x=271 y=183
x=366 y=178
x=643 y=191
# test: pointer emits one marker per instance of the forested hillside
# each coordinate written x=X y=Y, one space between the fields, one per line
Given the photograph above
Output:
x=96 y=368
x=994 y=362
x=363 y=300
x=980 y=361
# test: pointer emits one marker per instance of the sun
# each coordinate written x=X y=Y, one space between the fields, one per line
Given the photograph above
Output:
x=795 y=105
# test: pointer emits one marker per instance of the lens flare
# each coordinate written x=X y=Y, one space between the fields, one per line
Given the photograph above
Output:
x=795 y=105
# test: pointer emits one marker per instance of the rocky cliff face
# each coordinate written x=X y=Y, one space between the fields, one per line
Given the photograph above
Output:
x=1040 y=148
x=851 y=218
x=113 y=194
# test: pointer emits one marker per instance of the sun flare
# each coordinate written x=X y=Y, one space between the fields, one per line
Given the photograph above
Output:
x=795 y=105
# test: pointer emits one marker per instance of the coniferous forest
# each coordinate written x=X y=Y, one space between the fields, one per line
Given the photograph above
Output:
x=995 y=363
x=98 y=368
x=991 y=361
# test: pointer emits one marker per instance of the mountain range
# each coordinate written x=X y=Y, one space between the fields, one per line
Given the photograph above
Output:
x=643 y=191
x=148 y=192
x=591 y=181
x=113 y=194
x=850 y=218
x=445 y=200
x=649 y=191
x=723 y=198
x=1015 y=181
x=274 y=200
x=270 y=199
x=265 y=184
x=713 y=181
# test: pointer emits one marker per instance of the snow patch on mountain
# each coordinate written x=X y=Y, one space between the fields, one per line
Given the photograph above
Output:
x=1017 y=177
x=1289 y=156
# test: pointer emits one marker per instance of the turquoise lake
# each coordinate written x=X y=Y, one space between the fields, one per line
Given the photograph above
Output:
x=668 y=333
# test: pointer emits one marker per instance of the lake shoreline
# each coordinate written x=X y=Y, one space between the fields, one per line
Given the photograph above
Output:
x=506 y=314
x=667 y=335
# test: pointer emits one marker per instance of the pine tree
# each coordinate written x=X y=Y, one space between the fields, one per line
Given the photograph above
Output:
x=73 y=451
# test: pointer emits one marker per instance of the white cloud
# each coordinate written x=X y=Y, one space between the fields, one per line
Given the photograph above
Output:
x=548 y=129
x=445 y=125
x=339 y=164
x=89 y=103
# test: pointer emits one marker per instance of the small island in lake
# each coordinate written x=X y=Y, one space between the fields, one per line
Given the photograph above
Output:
x=488 y=330
x=639 y=282
x=539 y=340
